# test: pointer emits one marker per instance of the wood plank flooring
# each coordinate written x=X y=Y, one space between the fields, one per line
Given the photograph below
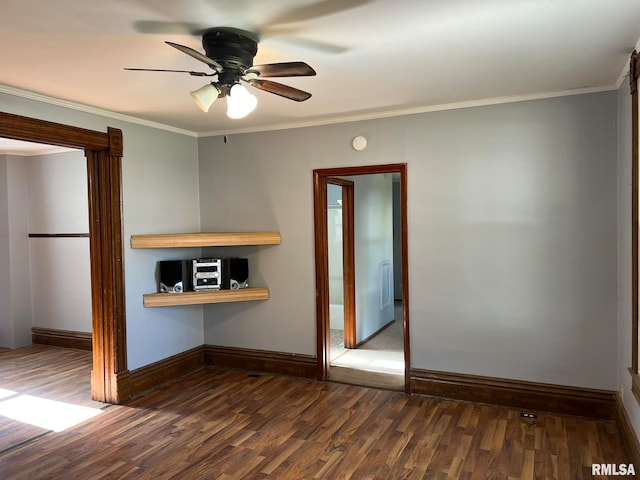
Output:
x=226 y=424
x=57 y=374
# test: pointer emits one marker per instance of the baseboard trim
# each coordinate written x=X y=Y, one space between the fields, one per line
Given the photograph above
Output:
x=628 y=437
x=123 y=387
x=261 y=360
x=601 y=404
x=61 y=338
x=543 y=397
x=159 y=373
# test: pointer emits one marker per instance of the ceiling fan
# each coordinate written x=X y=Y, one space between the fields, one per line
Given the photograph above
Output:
x=230 y=52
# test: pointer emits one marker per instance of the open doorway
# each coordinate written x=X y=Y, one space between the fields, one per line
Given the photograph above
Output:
x=103 y=152
x=367 y=344
x=45 y=260
x=373 y=321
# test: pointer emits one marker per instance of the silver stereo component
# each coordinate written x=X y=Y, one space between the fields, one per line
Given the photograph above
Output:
x=207 y=274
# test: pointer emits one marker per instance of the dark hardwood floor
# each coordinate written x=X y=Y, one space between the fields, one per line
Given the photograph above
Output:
x=226 y=424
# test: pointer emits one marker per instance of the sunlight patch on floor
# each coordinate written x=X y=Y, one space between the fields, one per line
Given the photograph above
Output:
x=43 y=413
x=373 y=361
x=387 y=365
x=4 y=393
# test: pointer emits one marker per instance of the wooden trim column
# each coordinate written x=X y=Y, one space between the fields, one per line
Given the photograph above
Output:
x=633 y=78
x=107 y=281
x=323 y=332
x=404 y=226
x=348 y=260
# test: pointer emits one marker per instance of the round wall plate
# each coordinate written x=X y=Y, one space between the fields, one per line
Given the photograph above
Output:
x=359 y=143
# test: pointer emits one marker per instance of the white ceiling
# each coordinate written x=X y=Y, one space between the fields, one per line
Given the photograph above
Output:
x=372 y=57
x=28 y=149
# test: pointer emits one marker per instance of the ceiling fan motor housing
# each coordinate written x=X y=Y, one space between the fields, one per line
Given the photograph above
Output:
x=233 y=49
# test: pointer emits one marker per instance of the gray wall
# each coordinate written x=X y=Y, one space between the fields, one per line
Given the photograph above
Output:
x=160 y=194
x=512 y=221
x=512 y=244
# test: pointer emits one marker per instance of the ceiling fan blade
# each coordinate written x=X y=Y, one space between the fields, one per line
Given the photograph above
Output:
x=316 y=10
x=323 y=47
x=197 y=55
x=195 y=74
x=285 y=69
x=279 y=89
x=169 y=28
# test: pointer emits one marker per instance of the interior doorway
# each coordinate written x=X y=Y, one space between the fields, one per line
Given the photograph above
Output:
x=103 y=151
x=386 y=319
x=45 y=200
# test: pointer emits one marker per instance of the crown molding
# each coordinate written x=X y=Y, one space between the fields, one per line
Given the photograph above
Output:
x=89 y=109
x=311 y=123
x=413 y=111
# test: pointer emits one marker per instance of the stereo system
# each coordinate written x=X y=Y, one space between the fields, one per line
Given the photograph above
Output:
x=203 y=274
x=207 y=274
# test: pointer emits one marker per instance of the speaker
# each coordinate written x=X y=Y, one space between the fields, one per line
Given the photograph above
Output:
x=175 y=276
x=235 y=273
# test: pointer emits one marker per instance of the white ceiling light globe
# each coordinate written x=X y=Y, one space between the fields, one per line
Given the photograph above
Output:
x=240 y=102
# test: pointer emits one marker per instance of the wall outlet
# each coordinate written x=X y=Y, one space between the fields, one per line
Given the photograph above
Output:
x=621 y=392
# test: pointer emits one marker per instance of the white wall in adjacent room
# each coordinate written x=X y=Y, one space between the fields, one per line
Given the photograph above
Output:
x=58 y=198
x=60 y=267
x=20 y=258
x=6 y=318
x=373 y=245
x=15 y=296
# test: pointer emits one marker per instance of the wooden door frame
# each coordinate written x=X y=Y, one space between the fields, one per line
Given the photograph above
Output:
x=109 y=377
x=323 y=333
x=348 y=261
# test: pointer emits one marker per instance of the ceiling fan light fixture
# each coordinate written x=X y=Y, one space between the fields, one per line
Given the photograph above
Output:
x=240 y=102
x=205 y=96
x=230 y=53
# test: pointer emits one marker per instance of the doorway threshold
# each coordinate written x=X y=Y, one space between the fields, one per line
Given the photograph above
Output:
x=366 y=378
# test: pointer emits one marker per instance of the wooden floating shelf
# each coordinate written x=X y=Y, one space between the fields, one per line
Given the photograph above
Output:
x=219 y=239
x=198 y=298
